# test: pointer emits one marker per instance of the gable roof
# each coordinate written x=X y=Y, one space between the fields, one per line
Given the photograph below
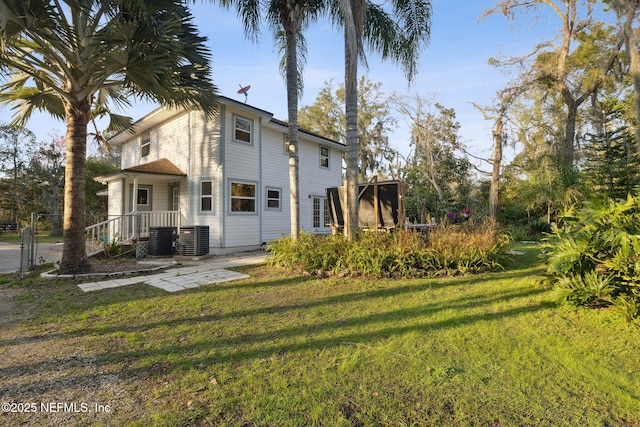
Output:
x=162 y=114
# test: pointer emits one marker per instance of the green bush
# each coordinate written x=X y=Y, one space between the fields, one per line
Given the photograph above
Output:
x=594 y=258
x=446 y=250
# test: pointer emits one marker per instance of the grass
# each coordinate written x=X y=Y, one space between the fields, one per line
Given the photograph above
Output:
x=15 y=238
x=285 y=350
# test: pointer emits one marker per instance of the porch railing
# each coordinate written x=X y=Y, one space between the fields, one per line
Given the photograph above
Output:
x=130 y=227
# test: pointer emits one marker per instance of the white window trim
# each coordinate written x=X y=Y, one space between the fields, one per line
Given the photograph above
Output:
x=235 y=117
x=206 y=196
x=145 y=142
x=267 y=198
x=231 y=197
x=328 y=157
x=147 y=198
x=323 y=209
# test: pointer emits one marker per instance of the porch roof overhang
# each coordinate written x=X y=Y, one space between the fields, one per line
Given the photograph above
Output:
x=158 y=170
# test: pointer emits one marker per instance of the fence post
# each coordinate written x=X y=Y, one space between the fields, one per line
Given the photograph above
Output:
x=24 y=260
x=32 y=249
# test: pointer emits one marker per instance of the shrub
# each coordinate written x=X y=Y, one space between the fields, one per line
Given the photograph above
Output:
x=446 y=250
x=594 y=258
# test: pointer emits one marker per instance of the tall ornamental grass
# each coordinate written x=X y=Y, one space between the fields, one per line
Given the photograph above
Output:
x=445 y=250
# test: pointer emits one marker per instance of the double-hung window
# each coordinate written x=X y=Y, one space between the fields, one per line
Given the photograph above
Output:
x=242 y=129
x=273 y=198
x=206 y=196
x=324 y=157
x=243 y=197
x=145 y=145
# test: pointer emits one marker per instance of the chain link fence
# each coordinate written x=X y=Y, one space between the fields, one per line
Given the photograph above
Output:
x=41 y=241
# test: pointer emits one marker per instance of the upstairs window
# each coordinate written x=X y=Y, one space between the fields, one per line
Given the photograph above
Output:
x=324 y=157
x=242 y=129
x=145 y=145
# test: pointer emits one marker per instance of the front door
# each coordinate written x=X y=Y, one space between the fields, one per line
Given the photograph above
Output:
x=144 y=198
x=174 y=197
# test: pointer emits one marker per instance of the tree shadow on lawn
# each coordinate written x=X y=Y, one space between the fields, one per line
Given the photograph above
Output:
x=386 y=289
x=387 y=324
x=82 y=302
x=245 y=344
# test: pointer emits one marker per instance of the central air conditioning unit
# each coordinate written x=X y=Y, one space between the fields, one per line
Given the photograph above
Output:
x=194 y=240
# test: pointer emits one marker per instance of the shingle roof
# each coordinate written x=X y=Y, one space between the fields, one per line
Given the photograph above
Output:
x=162 y=167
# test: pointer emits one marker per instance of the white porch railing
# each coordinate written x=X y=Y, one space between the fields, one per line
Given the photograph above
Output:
x=128 y=227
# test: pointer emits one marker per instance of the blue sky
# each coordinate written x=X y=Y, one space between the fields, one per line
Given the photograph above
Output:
x=453 y=67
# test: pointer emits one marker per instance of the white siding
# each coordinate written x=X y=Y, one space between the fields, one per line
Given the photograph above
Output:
x=207 y=150
x=275 y=174
x=242 y=164
x=314 y=180
x=205 y=165
x=115 y=206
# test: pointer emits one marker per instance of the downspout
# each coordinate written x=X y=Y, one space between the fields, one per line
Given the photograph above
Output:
x=260 y=187
x=189 y=214
x=223 y=185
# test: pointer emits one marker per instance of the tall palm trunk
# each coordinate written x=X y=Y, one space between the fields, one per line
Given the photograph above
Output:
x=292 y=109
x=74 y=254
x=290 y=16
x=351 y=50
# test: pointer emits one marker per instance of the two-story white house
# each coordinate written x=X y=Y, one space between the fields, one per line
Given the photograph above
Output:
x=230 y=173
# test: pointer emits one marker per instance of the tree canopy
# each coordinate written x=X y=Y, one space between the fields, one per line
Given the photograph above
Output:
x=77 y=59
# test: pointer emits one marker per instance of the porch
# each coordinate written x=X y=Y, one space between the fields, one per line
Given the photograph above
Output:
x=129 y=229
x=134 y=194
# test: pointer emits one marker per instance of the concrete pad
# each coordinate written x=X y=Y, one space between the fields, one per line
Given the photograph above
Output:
x=106 y=284
x=90 y=287
x=170 y=287
x=189 y=277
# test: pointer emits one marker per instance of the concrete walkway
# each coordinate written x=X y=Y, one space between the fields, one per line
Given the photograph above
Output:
x=178 y=279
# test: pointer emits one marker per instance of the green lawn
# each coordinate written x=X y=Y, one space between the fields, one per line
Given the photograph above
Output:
x=282 y=350
x=15 y=237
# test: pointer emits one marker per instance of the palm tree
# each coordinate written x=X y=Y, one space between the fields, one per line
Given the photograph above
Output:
x=77 y=58
x=398 y=35
x=286 y=18
x=399 y=40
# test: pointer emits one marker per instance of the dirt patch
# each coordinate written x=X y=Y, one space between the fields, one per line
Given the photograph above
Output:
x=49 y=377
x=9 y=310
x=53 y=373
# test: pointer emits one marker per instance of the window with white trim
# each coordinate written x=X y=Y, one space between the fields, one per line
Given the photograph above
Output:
x=321 y=217
x=273 y=198
x=327 y=218
x=175 y=197
x=242 y=129
x=143 y=197
x=324 y=157
x=243 y=197
x=145 y=144
x=206 y=196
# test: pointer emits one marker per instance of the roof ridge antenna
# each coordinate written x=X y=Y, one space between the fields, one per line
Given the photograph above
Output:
x=244 y=90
